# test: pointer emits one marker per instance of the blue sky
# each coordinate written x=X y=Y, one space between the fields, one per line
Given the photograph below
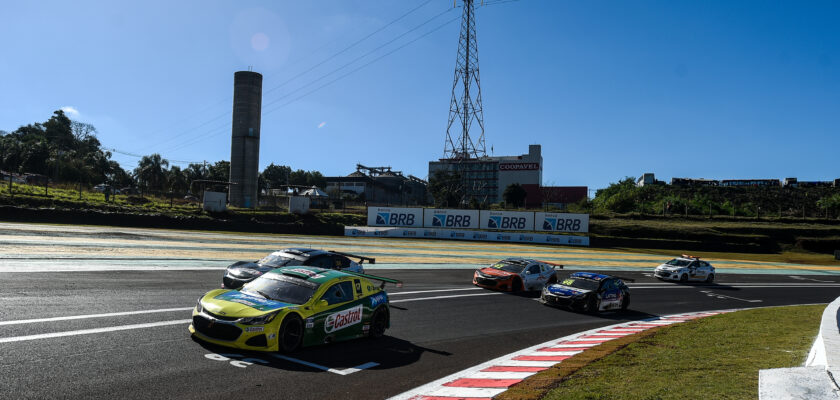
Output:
x=712 y=89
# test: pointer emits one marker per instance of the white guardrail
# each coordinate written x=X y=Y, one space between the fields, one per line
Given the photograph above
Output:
x=818 y=378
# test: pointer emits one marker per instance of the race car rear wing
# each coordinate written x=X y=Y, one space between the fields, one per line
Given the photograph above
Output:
x=552 y=263
x=378 y=278
x=361 y=258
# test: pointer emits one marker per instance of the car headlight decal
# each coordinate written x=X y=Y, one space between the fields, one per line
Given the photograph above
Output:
x=198 y=307
x=260 y=320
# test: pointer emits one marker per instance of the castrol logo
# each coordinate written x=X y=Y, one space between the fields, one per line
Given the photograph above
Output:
x=343 y=319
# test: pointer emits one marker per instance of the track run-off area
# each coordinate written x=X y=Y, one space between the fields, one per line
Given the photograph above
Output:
x=100 y=312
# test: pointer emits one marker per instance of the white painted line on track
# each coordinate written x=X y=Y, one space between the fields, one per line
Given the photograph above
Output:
x=720 y=296
x=91 y=331
x=72 y=317
x=346 y=371
x=436 y=290
x=444 y=297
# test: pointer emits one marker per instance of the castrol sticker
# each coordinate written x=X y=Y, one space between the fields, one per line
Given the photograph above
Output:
x=343 y=319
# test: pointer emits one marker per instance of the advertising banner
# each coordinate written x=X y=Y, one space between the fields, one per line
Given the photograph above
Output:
x=439 y=218
x=393 y=216
x=559 y=222
x=453 y=234
x=507 y=220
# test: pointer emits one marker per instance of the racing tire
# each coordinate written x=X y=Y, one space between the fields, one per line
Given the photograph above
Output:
x=516 y=286
x=378 y=323
x=591 y=305
x=710 y=278
x=625 y=302
x=290 y=336
x=684 y=278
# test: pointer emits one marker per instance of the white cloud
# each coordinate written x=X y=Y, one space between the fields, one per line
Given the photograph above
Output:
x=70 y=111
x=322 y=124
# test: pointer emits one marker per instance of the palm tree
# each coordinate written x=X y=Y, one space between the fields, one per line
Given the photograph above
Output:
x=150 y=173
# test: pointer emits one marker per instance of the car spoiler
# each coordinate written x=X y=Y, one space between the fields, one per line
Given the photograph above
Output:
x=361 y=258
x=377 y=278
x=552 y=263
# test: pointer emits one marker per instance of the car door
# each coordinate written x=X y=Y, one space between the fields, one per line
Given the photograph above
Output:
x=339 y=313
x=611 y=295
x=532 y=277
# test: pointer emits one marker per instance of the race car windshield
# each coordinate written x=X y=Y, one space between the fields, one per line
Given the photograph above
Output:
x=279 y=260
x=509 y=267
x=281 y=288
x=578 y=283
x=678 y=263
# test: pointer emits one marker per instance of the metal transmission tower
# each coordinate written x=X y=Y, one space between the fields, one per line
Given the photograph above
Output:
x=465 y=106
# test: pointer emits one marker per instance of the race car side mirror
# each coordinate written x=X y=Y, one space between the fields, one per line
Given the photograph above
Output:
x=323 y=303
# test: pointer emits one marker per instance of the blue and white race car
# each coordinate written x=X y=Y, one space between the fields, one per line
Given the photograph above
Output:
x=588 y=292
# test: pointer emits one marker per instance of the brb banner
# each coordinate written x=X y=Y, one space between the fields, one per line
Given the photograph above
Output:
x=390 y=216
x=557 y=222
x=507 y=220
x=436 y=218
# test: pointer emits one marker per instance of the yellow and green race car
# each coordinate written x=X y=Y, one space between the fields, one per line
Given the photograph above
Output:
x=291 y=307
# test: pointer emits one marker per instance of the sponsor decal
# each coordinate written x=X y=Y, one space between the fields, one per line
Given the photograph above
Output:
x=394 y=218
x=451 y=221
x=307 y=272
x=526 y=238
x=272 y=336
x=457 y=235
x=502 y=237
x=343 y=319
x=251 y=329
x=500 y=222
x=479 y=236
x=519 y=166
x=377 y=299
x=365 y=328
x=575 y=241
x=430 y=234
x=552 y=239
x=258 y=303
x=310 y=323
x=561 y=224
x=409 y=233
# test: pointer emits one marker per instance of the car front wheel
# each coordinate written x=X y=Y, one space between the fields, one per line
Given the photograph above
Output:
x=710 y=278
x=291 y=333
x=592 y=304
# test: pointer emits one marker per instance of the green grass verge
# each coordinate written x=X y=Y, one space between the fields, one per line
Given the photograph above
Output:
x=713 y=358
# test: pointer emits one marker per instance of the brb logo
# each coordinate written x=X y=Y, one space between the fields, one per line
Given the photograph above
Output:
x=392 y=218
x=506 y=222
x=451 y=221
x=560 y=224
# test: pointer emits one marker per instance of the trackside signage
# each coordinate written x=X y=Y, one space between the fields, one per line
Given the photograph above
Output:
x=392 y=216
x=560 y=222
x=507 y=220
x=437 y=218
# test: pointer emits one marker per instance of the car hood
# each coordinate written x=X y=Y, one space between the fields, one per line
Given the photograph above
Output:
x=233 y=303
x=248 y=270
x=564 y=290
x=495 y=272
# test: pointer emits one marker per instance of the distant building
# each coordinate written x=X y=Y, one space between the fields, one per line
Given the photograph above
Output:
x=485 y=178
x=694 y=182
x=646 y=179
x=750 y=182
x=378 y=185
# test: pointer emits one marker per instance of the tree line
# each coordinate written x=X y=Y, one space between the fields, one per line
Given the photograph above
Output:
x=68 y=151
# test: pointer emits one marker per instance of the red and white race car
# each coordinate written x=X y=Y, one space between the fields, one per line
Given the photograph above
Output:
x=516 y=274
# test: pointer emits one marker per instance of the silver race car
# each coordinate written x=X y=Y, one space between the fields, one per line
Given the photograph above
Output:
x=684 y=269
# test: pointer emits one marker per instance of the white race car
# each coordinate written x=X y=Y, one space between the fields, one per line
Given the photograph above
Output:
x=686 y=268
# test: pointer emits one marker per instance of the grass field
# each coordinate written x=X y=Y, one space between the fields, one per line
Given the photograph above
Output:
x=713 y=358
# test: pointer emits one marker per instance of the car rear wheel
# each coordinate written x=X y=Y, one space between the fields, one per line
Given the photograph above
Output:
x=378 y=323
x=592 y=304
x=683 y=278
x=291 y=333
x=710 y=278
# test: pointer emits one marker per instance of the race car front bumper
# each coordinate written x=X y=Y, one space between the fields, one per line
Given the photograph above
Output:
x=232 y=334
x=491 y=283
x=562 y=301
x=666 y=275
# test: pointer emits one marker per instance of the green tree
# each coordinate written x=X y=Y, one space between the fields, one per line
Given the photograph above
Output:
x=177 y=181
x=514 y=195
x=150 y=172
x=446 y=188
x=275 y=176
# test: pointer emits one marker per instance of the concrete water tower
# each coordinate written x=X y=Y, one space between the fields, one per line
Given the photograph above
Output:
x=245 y=140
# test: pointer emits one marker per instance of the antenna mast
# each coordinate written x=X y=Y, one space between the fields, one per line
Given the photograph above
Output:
x=465 y=107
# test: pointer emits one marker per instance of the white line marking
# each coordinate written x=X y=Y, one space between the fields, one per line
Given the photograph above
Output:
x=801 y=278
x=444 y=297
x=720 y=296
x=501 y=375
x=522 y=363
x=346 y=371
x=432 y=291
x=71 y=317
x=91 y=331
x=464 y=392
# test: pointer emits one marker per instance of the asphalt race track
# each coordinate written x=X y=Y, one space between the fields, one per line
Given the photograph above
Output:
x=123 y=334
